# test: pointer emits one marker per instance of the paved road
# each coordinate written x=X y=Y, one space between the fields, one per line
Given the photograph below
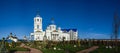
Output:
x=88 y=50
x=32 y=50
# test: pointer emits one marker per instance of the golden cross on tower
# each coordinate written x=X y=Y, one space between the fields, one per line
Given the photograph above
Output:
x=38 y=13
x=52 y=20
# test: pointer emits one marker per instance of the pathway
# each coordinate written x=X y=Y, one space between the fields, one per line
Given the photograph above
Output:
x=88 y=50
x=32 y=50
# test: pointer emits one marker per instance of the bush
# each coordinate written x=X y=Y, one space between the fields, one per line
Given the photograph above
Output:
x=11 y=50
x=64 y=48
x=103 y=49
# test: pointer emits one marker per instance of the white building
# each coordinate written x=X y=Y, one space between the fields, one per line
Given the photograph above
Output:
x=52 y=32
x=13 y=38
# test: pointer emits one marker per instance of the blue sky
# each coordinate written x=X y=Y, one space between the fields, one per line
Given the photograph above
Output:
x=92 y=18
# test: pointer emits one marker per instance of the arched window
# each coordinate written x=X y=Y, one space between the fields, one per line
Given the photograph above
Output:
x=50 y=27
x=53 y=27
x=37 y=19
x=40 y=20
x=37 y=26
x=38 y=38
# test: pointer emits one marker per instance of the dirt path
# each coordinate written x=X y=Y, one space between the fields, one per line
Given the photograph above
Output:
x=88 y=50
x=32 y=50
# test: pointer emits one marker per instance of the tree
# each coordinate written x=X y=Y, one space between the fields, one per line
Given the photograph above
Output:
x=78 y=42
x=3 y=48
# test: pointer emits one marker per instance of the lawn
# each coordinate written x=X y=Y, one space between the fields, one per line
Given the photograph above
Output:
x=63 y=49
x=103 y=49
x=18 y=49
x=52 y=51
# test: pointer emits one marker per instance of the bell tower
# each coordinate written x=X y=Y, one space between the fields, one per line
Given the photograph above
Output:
x=37 y=23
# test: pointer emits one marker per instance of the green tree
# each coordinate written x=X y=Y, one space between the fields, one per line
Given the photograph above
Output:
x=3 y=48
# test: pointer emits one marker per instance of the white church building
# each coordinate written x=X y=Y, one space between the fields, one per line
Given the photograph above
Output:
x=52 y=32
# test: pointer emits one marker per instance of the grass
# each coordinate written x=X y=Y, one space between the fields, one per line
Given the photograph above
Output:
x=103 y=49
x=52 y=51
x=11 y=50
x=64 y=49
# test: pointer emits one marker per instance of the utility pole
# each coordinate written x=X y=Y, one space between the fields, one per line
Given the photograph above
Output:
x=116 y=29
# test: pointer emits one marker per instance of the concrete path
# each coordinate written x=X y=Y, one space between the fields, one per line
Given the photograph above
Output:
x=32 y=50
x=88 y=50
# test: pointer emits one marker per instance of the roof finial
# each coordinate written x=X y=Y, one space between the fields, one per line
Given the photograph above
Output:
x=38 y=13
x=52 y=20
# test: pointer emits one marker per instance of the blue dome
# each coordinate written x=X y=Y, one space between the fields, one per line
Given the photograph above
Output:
x=9 y=41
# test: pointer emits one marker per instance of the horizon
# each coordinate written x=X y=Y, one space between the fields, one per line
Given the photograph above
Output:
x=92 y=19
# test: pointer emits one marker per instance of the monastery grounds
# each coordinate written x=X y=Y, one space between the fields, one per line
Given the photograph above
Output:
x=61 y=47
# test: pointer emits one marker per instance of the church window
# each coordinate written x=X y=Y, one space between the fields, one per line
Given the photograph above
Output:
x=38 y=38
x=40 y=20
x=37 y=19
x=53 y=27
x=50 y=27
x=37 y=26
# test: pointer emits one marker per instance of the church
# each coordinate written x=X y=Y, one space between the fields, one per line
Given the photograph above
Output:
x=52 y=32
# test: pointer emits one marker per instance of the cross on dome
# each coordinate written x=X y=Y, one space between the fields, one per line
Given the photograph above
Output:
x=52 y=20
x=38 y=13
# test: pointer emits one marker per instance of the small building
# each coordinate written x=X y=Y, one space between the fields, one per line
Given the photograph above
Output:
x=13 y=38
